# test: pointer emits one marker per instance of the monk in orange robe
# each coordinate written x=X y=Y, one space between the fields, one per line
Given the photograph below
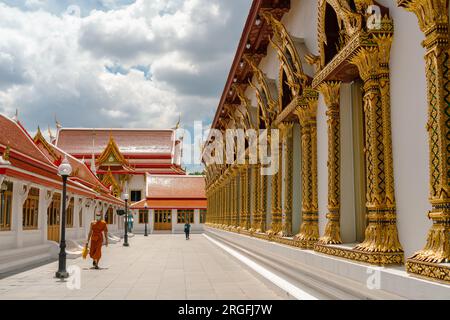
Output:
x=96 y=232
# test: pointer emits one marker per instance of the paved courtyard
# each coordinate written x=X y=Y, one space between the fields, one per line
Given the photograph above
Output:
x=156 y=267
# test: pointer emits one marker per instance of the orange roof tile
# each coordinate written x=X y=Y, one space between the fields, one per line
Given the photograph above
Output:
x=130 y=141
x=12 y=135
x=175 y=186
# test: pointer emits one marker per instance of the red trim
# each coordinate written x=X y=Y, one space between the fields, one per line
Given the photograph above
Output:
x=53 y=184
x=127 y=156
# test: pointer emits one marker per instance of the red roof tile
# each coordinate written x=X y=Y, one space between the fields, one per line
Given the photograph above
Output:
x=79 y=169
x=12 y=135
x=130 y=141
x=175 y=186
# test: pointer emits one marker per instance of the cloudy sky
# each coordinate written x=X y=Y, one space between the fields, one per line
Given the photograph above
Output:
x=116 y=63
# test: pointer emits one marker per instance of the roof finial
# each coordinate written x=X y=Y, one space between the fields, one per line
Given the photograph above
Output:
x=58 y=125
x=16 y=116
x=50 y=134
x=177 y=126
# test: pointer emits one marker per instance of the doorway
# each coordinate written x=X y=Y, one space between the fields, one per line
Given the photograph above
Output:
x=163 y=220
x=53 y=218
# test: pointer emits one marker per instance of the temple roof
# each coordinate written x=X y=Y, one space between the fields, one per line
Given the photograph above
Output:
x=79 y=169
x=179 y=187
x=78 y=141
x=13 y=135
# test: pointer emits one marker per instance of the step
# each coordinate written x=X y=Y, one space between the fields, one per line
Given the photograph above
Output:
x=336 y=277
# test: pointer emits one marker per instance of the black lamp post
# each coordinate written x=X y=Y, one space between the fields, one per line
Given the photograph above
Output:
x=125 y=237
x=146 y=221
x=64 y=170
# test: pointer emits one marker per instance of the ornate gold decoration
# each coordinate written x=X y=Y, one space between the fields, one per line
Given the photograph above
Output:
x=6 y=153
x=306 y=112
x=428 y=270
x=330 y=91
x=287 y=135
x=112 y=155
x=288 y=56
x=257 y=198
x=267 y=111
x=434 y=22
x=108 y=180
x=381 y=232
x=276 y=210
x=39 y=138
x=350 y=23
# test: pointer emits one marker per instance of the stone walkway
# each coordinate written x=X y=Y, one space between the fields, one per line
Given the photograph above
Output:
x=156 y=267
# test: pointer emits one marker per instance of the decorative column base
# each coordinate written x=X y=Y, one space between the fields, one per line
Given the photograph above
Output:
x=309 y=233
x=376 y=258
x=429 y=270
x=332 y=231
x=434 y=260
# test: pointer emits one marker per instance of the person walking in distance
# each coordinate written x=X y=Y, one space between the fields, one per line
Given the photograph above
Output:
x=187 y=229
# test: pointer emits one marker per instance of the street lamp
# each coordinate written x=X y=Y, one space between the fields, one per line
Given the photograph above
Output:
x=125 y=237
x=146 y=220
x=64 y=170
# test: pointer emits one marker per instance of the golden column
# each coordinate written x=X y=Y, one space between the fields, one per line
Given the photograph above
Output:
x=228 y=200
x=223 y=202
x=381 y=235
x=287 y=136
x=330 y=91
x=233 y=198
x=248 y=197
x=275 y=226
x=434 y=23
x=306 y=112
x=263 y=211
x=242 y=194
x=257 y=198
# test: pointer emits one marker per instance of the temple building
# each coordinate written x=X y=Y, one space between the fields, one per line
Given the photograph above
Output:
x=106 y=163
x=30 y=204
x=172 y=200
x=358 y=92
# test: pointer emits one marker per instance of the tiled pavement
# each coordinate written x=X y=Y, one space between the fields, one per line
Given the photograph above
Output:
x=160 y=266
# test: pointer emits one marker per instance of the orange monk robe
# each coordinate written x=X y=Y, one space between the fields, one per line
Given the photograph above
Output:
x=98 y=228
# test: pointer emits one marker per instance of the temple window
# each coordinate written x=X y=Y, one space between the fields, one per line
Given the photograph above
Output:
x=31 y=210
x=184 y=216
x=142 y=216
x=6 y=206
x=136 y=195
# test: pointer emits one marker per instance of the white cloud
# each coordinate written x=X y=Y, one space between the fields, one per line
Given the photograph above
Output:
x=172 y=57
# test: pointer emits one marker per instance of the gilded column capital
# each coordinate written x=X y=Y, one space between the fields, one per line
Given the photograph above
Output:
x=330 y=91
x=432 y=16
